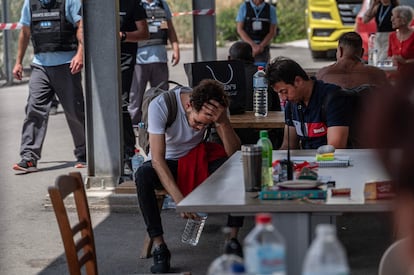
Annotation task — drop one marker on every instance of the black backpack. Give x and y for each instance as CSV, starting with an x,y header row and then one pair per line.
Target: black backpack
x,y
170,100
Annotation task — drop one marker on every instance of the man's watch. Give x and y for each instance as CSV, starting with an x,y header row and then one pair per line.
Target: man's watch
x,y
123,36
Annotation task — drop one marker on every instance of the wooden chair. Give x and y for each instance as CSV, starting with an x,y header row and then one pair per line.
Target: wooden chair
x,y
391,260
80,250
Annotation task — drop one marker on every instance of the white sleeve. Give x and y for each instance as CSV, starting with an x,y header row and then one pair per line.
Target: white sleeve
x,y
157,116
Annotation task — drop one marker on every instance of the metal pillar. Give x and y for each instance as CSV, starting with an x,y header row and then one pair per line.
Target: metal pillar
x,y
103,91
204,32
6,42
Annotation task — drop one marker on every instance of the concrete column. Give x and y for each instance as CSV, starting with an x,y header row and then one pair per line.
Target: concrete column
x,y
204,32
103,91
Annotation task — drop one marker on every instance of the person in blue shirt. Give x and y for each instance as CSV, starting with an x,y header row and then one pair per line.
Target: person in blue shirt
x,y
311,122
151,62
55,29
257,25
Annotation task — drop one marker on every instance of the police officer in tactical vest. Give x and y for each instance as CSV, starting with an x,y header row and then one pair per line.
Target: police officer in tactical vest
x,y
256,25
55,28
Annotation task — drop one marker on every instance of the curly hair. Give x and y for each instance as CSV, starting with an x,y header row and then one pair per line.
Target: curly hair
x,y
207,90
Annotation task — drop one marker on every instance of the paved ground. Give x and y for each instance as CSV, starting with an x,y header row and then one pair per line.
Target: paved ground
x,y
29,238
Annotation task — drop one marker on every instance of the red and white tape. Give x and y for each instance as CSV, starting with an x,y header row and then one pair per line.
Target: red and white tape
x,y
195,12
16,26
10,26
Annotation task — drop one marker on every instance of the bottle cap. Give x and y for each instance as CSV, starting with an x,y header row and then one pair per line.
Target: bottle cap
x,y
260,68
136,150
263,218
263,133
237,268
325,229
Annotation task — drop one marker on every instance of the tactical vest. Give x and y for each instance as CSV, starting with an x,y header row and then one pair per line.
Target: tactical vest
x,y
157,26
50,31
264,18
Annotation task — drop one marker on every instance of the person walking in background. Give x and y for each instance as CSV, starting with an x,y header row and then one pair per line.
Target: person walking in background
x,y
256,25
381,11
133,28
55,29
179,159
350,71
151,63
401,43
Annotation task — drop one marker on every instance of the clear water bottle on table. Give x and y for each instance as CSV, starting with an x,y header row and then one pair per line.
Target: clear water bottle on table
x,y
264,248
372,50
326,256
193,229
260,105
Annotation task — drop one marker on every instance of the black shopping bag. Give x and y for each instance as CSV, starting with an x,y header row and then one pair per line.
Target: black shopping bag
x,y
230,73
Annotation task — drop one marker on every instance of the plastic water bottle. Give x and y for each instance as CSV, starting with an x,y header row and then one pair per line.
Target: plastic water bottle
x,y
372,50
136,161
226,264
193,229
326,256
267,171
260,93
264,248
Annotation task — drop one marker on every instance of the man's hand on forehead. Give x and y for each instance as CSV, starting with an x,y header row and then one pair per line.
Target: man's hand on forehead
x,y
213,109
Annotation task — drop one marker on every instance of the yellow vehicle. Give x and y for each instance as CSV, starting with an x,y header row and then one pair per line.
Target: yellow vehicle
x,y
326,21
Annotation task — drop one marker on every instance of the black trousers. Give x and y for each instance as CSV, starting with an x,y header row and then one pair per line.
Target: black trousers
x,y
127,72
147,181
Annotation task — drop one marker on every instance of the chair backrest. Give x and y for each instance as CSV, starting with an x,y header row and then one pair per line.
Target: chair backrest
x,y
80,250
391,260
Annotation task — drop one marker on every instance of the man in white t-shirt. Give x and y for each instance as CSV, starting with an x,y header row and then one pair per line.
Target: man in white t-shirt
x,y
205,105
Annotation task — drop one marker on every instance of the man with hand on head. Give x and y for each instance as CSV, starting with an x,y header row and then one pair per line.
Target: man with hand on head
x,y
179,159
308,125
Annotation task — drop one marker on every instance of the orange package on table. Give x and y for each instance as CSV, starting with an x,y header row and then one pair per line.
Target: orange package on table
x,y
377,190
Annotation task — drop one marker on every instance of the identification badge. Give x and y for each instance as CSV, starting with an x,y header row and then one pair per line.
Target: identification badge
x,y
152,29
164,25
257,25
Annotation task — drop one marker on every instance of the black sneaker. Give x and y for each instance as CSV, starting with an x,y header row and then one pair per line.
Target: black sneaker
x,y
234,247
26,165
162,257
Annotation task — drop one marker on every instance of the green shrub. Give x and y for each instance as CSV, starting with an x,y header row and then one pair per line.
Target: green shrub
x,y
291,20
226,25
291,17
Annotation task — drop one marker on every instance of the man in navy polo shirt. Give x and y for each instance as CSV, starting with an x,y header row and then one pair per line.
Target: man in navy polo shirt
x,y
310,125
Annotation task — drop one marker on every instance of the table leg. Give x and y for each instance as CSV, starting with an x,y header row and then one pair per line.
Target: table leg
x,y
298,229
295,228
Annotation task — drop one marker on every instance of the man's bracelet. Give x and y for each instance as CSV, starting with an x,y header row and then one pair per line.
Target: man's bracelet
x,y
123,36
